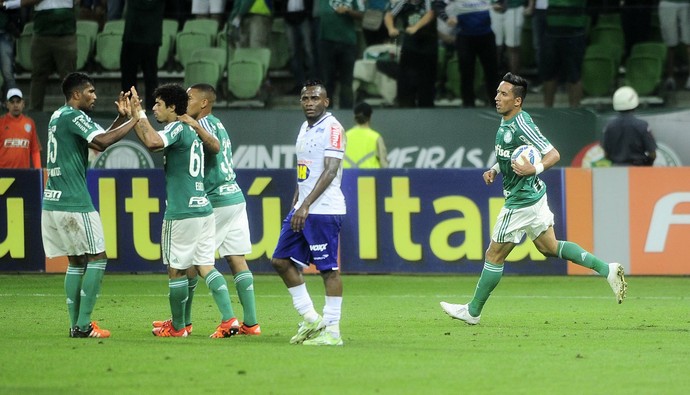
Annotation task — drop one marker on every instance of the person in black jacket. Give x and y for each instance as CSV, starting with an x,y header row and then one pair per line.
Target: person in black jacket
x,y
628,140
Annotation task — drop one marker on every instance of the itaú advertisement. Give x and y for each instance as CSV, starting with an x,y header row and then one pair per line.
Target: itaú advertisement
x,y
409,221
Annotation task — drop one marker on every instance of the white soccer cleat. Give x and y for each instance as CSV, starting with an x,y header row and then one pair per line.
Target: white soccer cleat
x,y
616,279
460,312
324,339
307,330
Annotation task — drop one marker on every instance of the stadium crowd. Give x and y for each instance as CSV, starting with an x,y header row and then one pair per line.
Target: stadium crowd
x,y
442,49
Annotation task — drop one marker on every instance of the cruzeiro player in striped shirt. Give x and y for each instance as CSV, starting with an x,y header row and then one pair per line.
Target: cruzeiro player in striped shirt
x,y
525,209
70,225
188,224
226,197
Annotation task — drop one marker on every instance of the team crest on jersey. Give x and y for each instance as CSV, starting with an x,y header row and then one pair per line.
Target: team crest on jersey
x,y
507,136
336,136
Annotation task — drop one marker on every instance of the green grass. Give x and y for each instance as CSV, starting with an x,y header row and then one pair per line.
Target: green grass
x,y
538,335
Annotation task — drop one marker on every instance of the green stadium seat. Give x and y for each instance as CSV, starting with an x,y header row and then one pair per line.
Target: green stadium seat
x,y
657,49
613,52
170,27
245,78
206,65
261,55
279,46
116,26
598,75
108,48
208,27
643,73
188,42
28,28
83,50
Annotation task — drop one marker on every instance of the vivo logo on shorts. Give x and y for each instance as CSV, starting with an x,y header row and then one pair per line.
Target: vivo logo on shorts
x,y
318,247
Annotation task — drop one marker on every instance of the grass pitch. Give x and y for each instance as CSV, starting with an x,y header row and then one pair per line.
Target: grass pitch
x,y
538,335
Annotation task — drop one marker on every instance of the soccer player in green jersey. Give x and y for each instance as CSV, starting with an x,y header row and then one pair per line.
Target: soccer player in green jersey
x,y
70,225
229,207
188,233
526,209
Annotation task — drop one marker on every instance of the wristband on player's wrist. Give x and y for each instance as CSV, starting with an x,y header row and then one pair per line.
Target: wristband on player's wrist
x,y
539,167
142,114
496,168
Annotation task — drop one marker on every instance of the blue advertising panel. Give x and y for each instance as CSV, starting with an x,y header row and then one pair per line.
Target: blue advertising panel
x,y
398,221
21,248
433,221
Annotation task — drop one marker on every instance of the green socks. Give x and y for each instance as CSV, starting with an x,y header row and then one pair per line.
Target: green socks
x,y
219,289
491,276
576,254
244,282
90,288
179,293
72,291
191,286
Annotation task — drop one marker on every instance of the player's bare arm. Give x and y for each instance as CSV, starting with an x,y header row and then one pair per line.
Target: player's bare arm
x,y
211,143
146,133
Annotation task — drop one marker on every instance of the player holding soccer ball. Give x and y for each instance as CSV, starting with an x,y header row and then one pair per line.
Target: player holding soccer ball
x,y
525,209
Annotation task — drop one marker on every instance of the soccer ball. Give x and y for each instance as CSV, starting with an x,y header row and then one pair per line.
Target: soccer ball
x,y
526,152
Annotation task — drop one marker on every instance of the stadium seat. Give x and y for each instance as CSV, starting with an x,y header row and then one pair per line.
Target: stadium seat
x,y
83,50
28,27
598,75
89,29
245,78
116,26
206,65
657,49
609,19
108,48
279,46
613,52
170,27
208,27
607,34
188,42
261,55
643,73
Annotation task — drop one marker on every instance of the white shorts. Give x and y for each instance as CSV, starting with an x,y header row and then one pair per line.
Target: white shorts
x,y
507,26
512,224
674,20
71,234
232,230
207,7
188,242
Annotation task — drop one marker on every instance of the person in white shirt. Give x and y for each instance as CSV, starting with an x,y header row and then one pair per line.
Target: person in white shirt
x,y
310,231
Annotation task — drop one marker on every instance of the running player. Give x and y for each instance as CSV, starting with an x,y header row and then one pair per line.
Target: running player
x,y
526,208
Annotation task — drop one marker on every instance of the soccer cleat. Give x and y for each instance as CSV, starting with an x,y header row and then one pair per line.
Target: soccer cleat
x,y
158,324
92,331
254,330
325,338
616,279
307,330
227,328
460,312
168,330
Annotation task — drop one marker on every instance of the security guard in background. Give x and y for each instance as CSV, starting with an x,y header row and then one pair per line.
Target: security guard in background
x,y
628,140
365,148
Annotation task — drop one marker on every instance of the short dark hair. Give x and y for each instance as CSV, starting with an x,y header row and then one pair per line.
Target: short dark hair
x,y
73,82
519,85
207,89
363,112
173,94
309,83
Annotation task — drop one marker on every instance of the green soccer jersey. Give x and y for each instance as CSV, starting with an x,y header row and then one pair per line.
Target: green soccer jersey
x,y
184,173
69,133
519,191
220,184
